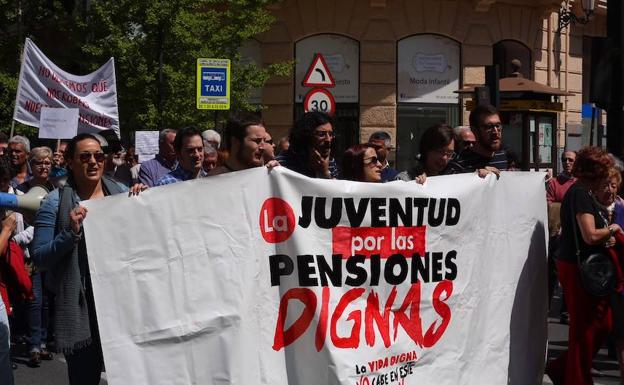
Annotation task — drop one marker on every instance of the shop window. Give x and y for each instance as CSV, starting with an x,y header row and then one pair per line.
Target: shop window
x,y
251,54
342,55
428,74
507,50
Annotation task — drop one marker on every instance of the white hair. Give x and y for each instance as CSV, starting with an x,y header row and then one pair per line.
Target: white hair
x,y
211,136
21,140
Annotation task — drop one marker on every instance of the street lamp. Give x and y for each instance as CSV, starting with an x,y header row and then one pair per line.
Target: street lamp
x,y
566,16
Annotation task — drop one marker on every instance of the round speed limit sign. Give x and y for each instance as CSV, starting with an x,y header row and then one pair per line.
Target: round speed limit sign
x,y
319,99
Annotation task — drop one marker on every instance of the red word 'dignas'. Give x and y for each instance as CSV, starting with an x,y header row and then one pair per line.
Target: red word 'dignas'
x,y
277,220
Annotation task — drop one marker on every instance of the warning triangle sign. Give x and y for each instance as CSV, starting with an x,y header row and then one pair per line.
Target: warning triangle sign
x,y
318,74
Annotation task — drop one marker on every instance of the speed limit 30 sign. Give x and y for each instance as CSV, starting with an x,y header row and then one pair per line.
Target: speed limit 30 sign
x,y
319,99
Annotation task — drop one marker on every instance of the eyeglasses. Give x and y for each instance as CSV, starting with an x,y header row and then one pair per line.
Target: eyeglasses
x,y
372,161
323,134
86,156
492,126
42,163
567,160
442,152
469,143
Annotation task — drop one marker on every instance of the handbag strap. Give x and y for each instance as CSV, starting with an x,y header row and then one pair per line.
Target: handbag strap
x,y
576,241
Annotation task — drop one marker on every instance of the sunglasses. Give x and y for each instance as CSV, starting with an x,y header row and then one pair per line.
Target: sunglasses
x,y
468,143
372,161
86,156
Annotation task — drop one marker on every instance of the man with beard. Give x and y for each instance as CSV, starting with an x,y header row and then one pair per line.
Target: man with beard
x,y
487,155
163,163
19,148
246,140
310,147
189,148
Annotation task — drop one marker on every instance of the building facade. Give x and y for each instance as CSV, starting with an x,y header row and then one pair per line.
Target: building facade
x,y
398,63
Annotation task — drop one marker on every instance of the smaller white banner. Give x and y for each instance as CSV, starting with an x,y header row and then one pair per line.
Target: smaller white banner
x,y
146,143
58,123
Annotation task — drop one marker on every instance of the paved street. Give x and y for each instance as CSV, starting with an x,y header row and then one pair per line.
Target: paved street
x,y
55,373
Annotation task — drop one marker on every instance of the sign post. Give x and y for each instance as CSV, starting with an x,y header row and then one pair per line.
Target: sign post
x,y
319,99
213,84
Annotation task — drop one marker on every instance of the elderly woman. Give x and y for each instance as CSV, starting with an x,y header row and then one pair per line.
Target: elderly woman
x,y
59,249
41,161
585,228
360,163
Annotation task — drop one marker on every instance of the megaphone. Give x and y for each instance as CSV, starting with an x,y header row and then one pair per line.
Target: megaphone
x,y
30,201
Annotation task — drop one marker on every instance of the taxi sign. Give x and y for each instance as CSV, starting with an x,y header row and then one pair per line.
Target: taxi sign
x,y
213,84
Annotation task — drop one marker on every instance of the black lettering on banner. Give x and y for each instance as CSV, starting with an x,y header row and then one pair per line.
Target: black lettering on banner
x,y
334,273
335,213
436,269
433,219
356,216
451,266
420,268
396,210
306,210
280,264
420,204
375,268
452,215
306,271
354,267
378,212
389,274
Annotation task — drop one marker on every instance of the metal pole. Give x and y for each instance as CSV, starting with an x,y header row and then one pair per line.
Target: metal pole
x,y
591,127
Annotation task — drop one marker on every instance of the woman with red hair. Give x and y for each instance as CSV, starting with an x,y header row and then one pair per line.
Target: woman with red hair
x,y
583,224
360,163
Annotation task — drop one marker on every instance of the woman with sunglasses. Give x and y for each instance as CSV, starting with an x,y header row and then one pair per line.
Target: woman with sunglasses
x,y
360,164
437,146
59,249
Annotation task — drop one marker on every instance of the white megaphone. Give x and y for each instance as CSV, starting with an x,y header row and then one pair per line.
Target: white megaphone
x,y
30,201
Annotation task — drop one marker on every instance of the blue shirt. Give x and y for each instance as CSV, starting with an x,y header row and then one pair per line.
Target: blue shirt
x,y
179,175
298,163
153,170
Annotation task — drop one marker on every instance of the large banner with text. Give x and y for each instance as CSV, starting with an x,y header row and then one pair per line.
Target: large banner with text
x,y
270,277
43,84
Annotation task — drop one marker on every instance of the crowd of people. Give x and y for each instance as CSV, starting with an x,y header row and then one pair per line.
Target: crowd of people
x,y
54,311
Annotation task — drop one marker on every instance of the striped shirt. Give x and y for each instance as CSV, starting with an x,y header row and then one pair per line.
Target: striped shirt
x,y
469,161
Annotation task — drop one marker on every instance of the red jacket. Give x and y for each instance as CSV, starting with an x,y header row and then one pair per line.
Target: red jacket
x,y
14,279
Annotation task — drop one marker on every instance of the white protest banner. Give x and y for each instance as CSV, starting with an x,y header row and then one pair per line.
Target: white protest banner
x,y
146,142
249,278
43,84
58,123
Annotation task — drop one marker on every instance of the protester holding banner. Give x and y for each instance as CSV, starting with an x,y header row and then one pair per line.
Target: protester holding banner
x,y
19,147
584,229
163,163
245,140
487,154
436,151
59,248
310,147
189,149
360,163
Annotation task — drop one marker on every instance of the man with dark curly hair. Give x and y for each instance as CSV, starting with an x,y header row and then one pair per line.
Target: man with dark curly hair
x,y
310,148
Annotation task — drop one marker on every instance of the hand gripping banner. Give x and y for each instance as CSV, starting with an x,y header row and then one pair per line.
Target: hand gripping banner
x,y
262,277
43,84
